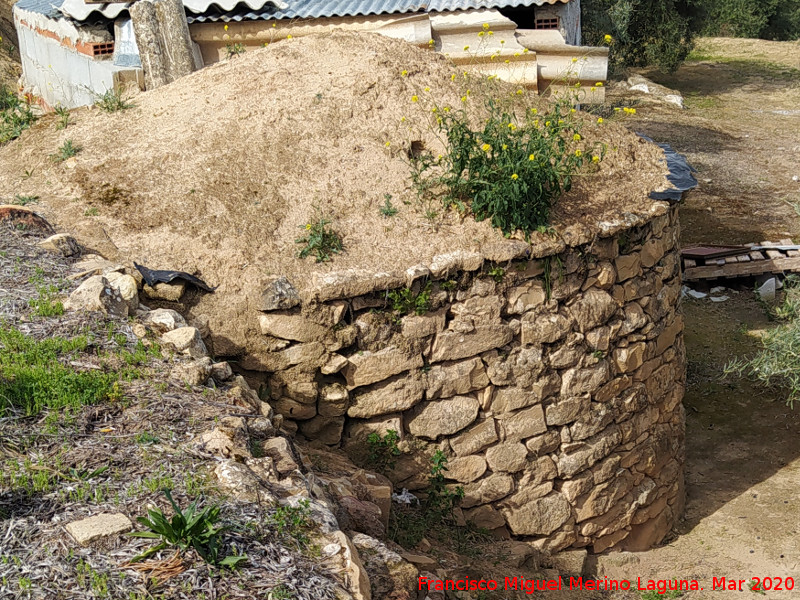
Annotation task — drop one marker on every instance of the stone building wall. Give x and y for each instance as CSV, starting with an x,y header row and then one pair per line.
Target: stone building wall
x,y
550,374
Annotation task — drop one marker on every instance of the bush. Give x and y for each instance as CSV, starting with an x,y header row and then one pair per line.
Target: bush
x,y
768,19
16,115
510,169
645,32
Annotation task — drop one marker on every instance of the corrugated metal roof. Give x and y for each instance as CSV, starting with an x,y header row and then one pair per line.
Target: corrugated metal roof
x,y
312,9
236,10
48,8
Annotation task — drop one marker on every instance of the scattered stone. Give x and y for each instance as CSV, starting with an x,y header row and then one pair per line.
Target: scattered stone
x,y
89,529
185,340
171,292
163,320
97,295
193,372
61,243
221,371
127,288
279,294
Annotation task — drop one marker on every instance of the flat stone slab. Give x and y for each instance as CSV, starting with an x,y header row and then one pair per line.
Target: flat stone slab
x,y
91,528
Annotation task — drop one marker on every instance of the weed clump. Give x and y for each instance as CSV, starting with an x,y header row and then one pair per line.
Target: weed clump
x,y
383,451
320,241
16,115
509,169
113,101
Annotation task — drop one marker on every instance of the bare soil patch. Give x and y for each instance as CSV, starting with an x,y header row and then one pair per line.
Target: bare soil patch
x,y
218,173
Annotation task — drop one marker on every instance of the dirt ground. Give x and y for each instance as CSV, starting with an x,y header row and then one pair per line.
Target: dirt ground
x,y
743,443
219,173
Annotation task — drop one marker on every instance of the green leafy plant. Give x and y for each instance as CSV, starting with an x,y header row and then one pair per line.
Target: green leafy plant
x,y
320,241
113,101
388,209
382,450
497,273
235,49
24,200
405,301
67,150
511,169
16,115
191,528
47,304
63,117
293,521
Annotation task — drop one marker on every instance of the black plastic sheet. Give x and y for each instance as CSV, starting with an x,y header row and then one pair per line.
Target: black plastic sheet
x,y
154,276
680,174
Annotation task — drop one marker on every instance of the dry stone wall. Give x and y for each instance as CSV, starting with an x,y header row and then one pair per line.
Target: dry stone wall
x,y
550,374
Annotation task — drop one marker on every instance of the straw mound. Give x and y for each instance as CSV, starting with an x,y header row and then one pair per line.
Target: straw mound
x,y
218,173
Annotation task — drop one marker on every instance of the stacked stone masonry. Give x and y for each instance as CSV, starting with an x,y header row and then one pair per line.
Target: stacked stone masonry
x,y
553,384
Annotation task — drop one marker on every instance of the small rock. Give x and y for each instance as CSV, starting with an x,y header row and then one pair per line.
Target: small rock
x,y
185,340
103,525
61,243
96,294
279,294
126,286
221,371
420,560
163,320
171,292
192,373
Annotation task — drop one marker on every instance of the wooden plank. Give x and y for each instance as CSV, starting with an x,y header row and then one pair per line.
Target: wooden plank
x,y
756,255
746,257
730,259
755,267
793,252
688,263
775,254
786,242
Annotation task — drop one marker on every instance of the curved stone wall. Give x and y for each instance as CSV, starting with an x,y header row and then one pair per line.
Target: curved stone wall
x,y
551,375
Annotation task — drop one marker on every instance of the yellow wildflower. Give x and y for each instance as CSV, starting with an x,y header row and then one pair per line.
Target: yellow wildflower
x,y
463,98
486,147
534,111
427,89
595,158
608,39
577,137
466,48
591,89
226,27
289,37
561,121
274,24
431,42
308,226
574,59
507,61
403,73
578,153
504,146
547,123
633,111
453,77
515,177
486,26
616,109
600,120
502,41
481,33
572,110
414,98
532,157
446,109
387,144
599,84
402,119
491,33
525,51
434,109
520,92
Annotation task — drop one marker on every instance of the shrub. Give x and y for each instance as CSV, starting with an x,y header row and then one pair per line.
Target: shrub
x,y
405,301
113,101
510,169
645,32
383,450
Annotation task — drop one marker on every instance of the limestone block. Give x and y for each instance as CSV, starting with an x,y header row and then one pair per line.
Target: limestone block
x,y
577,381
599,339
591,422
507,399
292,409
475,439
523,423
443,416
606,275
127,288
485,517
163,320
466,469
171,292
476,311
367,367
540,327
628,265
489,489
651,252
221,371
520,367
566,410
646,535
607,248
89,529
327,430
278,294
541,516
349,283
578,486
460,260
335,363
634,319
608,541
290,326
97,295
506,250
508,457
612,389
61,243
452,345
185,340
455,378
568,353
592,309
544,443
393,395
333,400
669,335
279,449
192,373
420,326
525,297
582,455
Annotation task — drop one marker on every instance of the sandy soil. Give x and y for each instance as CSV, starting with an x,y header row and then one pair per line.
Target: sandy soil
x,y
743,443
218,173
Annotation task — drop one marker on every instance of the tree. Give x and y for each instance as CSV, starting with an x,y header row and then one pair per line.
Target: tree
x,y
644,32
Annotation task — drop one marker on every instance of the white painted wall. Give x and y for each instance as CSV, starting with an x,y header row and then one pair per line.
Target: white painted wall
x,y
58,74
